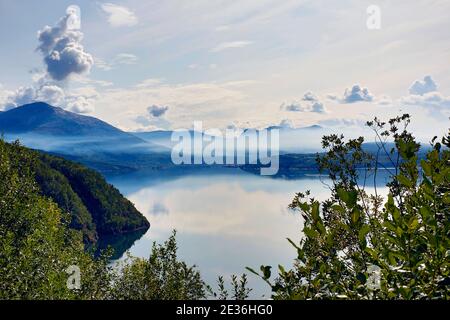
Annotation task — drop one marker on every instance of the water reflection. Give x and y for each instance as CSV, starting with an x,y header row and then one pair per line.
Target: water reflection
x,y
119,243
225,220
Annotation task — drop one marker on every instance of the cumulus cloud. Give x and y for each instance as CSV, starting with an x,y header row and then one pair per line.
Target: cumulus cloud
x,y
309,96
424,93
153,119
64,58
430,99
80,103
157,111
51,94
309,103
286,123
317,107
421,87
119,16
293,106
356,94
230,45
81,100
63,52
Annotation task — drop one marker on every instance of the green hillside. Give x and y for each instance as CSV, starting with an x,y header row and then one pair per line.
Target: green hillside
x,y
96,208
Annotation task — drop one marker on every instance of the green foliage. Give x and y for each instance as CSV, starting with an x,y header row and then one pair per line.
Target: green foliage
x,y
111,212
160,277
55,185
37,246
406,235
95,207
239,289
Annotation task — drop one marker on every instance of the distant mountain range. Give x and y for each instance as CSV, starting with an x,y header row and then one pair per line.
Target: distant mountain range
x,y
292,140
110,150
81,138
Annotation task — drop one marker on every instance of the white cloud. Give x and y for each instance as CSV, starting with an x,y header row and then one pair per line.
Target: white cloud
x,y
424,93
21,96
94,82
356,94
286,123
63,52
102,64
430,99
317,107
293,106
125,58
230,45
79,100
384,100
421,87
213,103
148,83
157,111
309,96
309,103
153,119
119,16
120,59
80,104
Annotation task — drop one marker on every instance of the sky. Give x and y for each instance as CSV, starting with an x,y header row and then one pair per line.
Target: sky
x,y
148,65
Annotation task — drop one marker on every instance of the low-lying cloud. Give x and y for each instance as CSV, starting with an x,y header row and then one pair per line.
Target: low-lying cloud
x,y
309,103
79,101
157,111
424,93
421,87
356,94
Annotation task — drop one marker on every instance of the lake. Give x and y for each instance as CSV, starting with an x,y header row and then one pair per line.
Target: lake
x,y
226,219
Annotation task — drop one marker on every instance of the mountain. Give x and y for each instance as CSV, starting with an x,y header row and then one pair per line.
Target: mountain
x,y
44,119
292,140
158,137
96,208
80,138
284,128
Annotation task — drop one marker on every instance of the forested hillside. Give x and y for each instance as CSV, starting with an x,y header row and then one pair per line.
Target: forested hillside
x,y
39,253
95,207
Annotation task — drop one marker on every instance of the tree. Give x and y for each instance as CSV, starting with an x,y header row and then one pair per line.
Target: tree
x,y
37,248
160,277
353,239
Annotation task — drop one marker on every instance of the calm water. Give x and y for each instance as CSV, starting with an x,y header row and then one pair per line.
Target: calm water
x,y
225,219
